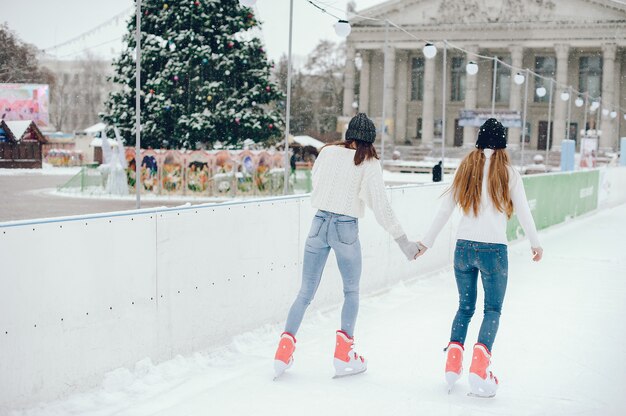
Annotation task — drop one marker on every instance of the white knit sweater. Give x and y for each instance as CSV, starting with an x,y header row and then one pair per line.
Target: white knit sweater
x,y
490,224
341,187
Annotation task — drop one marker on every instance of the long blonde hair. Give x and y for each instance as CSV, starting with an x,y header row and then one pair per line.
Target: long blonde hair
x,y
467,185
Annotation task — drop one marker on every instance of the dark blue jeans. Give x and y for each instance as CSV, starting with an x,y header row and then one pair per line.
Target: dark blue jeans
x,y
491,260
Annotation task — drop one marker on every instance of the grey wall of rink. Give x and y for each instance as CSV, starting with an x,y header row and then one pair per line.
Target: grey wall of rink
x,y
81,296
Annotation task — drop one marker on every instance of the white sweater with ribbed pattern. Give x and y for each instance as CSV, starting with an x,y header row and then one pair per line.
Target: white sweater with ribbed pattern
x,y
489,226
341,187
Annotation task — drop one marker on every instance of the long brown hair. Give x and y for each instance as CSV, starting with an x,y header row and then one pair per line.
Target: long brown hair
x,y
364,150
467,185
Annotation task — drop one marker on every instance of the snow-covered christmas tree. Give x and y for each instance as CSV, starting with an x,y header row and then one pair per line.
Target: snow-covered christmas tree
x,y
205,77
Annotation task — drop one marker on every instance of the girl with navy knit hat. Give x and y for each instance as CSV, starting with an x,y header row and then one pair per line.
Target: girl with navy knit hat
x,y
346,177
488,190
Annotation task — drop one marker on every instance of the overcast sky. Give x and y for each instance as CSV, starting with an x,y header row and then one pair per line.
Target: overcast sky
x,y
46,23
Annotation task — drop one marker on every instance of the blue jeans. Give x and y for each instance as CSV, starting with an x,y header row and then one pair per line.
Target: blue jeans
x,y
341,233
491,260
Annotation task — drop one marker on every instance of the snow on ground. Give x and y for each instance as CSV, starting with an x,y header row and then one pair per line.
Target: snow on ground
x,y
45,170
559,350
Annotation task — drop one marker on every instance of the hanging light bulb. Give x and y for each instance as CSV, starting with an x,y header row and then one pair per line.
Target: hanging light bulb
x,y
565,95
519,78
343,28
613,114
429,50
541,91
471,68
355,105
247,3
595,105
579,102
605,112
624,116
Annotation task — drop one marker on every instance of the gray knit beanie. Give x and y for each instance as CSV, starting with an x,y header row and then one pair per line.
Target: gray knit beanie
x,y
361,128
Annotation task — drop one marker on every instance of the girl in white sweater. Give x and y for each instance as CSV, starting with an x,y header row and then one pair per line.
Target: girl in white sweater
x,y
487,189
346,177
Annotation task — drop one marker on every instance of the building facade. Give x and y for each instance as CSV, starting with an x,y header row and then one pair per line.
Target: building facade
x,y
579,43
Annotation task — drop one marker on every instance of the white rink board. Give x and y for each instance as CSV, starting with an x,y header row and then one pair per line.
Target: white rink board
x,y
612,189
107,291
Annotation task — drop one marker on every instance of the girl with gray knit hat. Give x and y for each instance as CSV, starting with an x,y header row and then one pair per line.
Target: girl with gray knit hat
x,y
346,177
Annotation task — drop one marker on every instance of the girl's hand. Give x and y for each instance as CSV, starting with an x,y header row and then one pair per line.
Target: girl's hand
x,y
537,253
422,248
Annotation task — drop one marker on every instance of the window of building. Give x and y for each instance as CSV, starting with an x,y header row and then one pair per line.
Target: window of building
x,y
590,75
503,80
419,128
417,79
546,67
457,89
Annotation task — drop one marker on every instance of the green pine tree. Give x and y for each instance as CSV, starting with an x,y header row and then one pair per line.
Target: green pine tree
x,y
205,77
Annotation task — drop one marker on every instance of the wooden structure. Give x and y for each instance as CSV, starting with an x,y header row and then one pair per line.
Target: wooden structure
x,y
20,144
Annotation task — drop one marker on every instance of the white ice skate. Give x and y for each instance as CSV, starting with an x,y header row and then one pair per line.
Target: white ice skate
x,y
483,383
347,362
284,354
454,364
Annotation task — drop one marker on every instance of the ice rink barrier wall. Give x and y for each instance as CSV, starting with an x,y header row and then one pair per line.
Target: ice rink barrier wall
x,y
81,296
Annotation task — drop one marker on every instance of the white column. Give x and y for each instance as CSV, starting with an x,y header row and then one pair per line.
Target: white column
x,y
401,95
515,98
560,106
608,139
428,102
390,82
348,82
364,84
471,98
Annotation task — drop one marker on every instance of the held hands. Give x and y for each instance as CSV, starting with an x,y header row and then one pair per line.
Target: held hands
x,y
537,253
409,248
422,249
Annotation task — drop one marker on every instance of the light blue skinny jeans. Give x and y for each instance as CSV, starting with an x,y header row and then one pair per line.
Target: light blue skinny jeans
x,y
341,233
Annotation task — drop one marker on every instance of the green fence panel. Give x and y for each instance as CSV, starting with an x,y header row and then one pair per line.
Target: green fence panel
x,y
554,198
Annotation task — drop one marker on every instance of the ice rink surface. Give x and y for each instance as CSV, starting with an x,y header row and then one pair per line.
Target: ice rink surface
x,y
559,351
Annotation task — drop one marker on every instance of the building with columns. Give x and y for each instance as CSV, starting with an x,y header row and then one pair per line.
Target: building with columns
x,y
579,43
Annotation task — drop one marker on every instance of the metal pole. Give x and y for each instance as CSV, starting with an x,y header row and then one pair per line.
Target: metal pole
x,y
137,105
493,89
524,117
288,109
569,112
383,131
443,108
549,124
586,109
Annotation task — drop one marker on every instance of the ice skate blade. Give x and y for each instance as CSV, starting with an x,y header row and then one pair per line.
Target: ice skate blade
x,y
353,373
480,396
451,379
280,368
482,388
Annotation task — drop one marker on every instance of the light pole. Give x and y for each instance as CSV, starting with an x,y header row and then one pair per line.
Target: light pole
x,y
288,105
443,108
137,105
493,89
569,113
524,116
383,131
549,122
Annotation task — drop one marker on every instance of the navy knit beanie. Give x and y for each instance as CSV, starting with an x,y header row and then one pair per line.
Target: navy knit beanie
x,y
361,128
492,135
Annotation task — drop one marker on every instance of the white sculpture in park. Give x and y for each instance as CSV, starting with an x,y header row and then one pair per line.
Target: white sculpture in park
x,y
114,166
